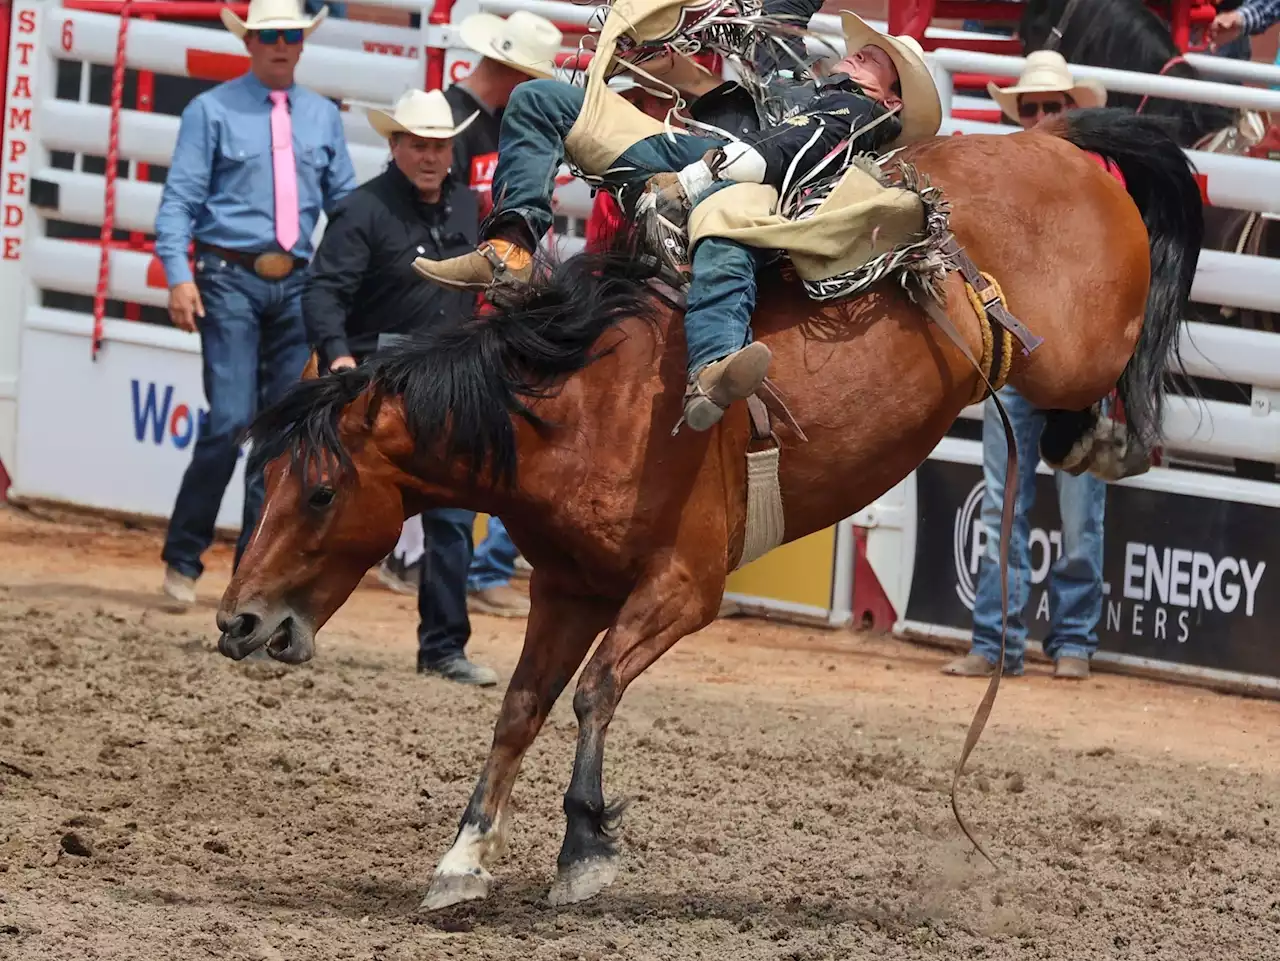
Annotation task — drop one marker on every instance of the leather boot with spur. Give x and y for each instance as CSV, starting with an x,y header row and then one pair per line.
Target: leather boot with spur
x,y
494,263
719,384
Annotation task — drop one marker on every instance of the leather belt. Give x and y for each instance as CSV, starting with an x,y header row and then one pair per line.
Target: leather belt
x,y
269,265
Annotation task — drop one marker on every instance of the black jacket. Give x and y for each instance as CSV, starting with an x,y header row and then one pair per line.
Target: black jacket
x,y
822,124
834,107
362,282
475,150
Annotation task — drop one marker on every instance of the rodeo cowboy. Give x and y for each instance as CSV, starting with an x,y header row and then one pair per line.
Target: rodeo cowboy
x,y
879,96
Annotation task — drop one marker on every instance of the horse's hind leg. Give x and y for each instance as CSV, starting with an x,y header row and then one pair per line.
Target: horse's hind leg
x,y
660,611
560,631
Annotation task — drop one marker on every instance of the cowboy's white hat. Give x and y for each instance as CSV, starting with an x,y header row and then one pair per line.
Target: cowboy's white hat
x,y
524,40
1046,71
921,113
421,114
273,15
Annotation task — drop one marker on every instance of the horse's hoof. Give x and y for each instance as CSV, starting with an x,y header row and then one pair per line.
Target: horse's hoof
x,y
450,889
582,880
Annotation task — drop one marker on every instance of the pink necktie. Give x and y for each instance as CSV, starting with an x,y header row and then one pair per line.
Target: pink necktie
x,y
286,171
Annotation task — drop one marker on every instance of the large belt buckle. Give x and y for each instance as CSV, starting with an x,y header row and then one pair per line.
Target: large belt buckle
x,y
273,266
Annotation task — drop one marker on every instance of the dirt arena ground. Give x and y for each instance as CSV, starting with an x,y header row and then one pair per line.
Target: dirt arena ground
x,y
789,794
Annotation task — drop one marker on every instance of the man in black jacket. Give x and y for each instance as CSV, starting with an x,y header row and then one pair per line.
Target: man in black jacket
x,y
881,95
412,209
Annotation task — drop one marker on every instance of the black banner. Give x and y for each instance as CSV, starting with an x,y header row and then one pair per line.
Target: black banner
x,y
1187,580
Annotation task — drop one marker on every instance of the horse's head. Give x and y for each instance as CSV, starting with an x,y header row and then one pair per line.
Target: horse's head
x,y
334,507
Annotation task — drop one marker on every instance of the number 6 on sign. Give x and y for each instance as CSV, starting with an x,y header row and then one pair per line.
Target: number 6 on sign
x,y
68,35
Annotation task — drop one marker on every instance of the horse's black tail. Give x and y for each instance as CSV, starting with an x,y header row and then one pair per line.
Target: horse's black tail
x,y
1159,178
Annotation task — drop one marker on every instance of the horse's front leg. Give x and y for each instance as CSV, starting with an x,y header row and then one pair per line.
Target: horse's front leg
x,y
662,609
560,631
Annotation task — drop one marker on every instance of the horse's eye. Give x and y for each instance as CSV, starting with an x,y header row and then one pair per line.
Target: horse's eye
x,y
321,497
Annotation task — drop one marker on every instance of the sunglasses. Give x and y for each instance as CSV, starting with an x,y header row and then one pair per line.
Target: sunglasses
x,y
272,35
1028,109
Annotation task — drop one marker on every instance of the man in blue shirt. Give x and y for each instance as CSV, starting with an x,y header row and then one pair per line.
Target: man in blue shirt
x,y
257,159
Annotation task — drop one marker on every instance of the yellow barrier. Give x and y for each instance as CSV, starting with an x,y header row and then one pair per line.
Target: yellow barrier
x,y
809,580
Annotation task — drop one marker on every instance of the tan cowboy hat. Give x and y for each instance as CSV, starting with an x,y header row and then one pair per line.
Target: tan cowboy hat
x,y
421,114
1046,71
524,40
921,113
272,15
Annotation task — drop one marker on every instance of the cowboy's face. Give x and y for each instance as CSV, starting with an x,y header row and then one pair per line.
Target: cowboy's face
x,y
273,55
1035,108
873,70
424,160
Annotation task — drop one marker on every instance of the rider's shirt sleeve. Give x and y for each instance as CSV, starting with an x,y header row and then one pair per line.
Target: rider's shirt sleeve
x,y
805,139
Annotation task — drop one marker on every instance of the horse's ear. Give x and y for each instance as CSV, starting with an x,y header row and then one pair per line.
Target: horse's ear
x,y
312,370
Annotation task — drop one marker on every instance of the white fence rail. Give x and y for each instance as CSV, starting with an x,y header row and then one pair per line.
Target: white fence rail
x,y
336,64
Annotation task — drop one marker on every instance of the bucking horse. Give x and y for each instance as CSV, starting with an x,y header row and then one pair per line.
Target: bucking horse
x,y
556,413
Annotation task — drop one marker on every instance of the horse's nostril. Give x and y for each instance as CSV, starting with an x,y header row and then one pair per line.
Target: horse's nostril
x,y
238,625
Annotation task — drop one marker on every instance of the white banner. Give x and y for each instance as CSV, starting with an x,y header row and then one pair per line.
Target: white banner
x,y
116,434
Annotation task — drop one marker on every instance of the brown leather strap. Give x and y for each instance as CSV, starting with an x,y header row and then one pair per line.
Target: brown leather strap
x,y
939,317
761,429
989,297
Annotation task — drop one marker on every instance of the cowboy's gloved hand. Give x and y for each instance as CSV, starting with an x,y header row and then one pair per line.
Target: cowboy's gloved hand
x,y
668,199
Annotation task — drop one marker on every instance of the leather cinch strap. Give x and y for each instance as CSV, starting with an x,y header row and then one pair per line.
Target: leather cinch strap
x,y
939,316
989,294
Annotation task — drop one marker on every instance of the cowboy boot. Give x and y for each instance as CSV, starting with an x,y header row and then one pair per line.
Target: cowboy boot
x,y
496,262
719,384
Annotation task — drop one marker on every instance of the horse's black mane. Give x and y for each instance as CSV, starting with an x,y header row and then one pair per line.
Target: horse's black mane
x,y
460,383
1125,35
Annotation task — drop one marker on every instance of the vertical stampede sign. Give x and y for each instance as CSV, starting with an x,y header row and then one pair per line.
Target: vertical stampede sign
x,y
1186,580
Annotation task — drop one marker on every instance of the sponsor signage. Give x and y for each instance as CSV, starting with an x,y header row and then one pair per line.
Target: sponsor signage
x,y
117,434
1186,579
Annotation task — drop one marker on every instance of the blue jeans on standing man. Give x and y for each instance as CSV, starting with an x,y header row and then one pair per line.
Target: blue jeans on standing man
x,y
254,346
540,114
1075,578
494,563
443,624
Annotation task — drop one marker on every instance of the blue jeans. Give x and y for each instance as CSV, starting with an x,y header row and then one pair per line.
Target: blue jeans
x,y
540,114
495,559
1075,579
443,625
254,346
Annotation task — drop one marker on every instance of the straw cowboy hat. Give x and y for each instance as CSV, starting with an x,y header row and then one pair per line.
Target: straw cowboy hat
x,y
273,15
921,113
1046,71
525,41
421,114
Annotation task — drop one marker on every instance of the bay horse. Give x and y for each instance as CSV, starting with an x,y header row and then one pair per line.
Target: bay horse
x,y
557,416
1128,35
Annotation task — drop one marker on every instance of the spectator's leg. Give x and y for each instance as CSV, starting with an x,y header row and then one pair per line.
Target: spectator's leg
x,y
489,588
400,570
985,651
1075,587
412,544
444,627
284,352
229,353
